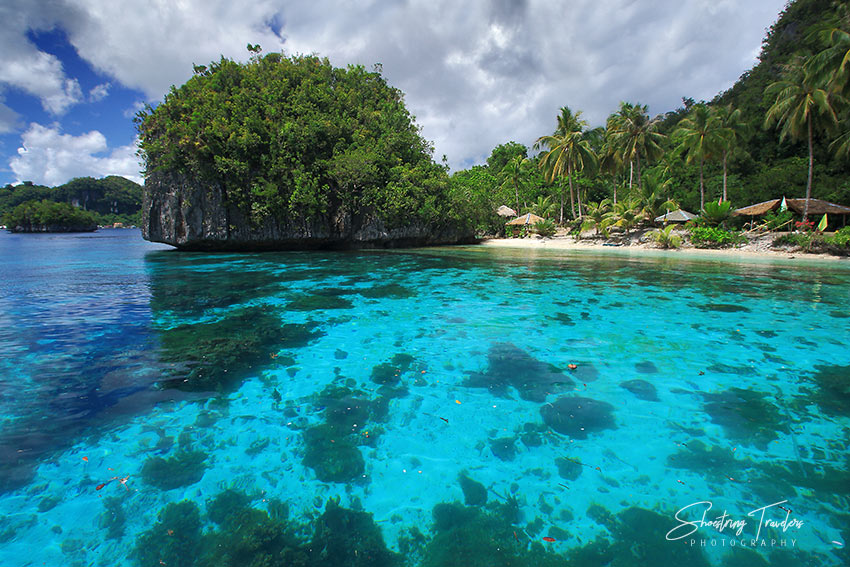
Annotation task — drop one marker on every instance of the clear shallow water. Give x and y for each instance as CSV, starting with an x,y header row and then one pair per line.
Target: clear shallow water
x,y
401,382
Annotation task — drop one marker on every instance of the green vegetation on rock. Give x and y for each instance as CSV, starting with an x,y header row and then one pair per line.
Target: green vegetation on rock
x,y
49,216
296,138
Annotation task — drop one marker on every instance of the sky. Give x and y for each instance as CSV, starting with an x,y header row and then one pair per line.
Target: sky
x,y
476,74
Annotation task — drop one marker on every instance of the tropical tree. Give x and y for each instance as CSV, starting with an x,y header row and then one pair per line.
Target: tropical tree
x,y
610,160
699,137
634,136
733,128
514,174
801,100
625,215
543,207
651,199
569,151
594,216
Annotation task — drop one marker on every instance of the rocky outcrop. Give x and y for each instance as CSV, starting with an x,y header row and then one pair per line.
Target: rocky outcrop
x,y
183,212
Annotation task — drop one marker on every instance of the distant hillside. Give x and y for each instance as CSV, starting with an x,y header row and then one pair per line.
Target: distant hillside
x,y
772,169
112,199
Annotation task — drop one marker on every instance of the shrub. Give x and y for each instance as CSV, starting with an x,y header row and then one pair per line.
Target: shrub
x,y
665,238
805,241
714,237
778,219
714,214
545,228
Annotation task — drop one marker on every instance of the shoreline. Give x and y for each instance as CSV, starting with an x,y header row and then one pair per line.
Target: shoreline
x,y
752,251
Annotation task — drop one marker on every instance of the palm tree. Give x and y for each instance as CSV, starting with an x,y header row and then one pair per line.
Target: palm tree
x,y
610,160
513,175
543,207
732,130
651,199
569,151
699,137
625,215
594,216
635,136
800,99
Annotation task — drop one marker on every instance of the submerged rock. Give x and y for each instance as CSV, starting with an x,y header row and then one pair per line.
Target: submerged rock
x,y
577,416
512,367
641,389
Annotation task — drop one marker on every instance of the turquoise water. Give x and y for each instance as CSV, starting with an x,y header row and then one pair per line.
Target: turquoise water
x,y
463,406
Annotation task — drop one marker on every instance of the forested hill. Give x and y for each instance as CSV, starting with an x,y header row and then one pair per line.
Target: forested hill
x,y
112,198
794,34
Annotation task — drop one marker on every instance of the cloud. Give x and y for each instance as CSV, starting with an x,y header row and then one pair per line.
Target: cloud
x,y
49,157
99,92
475,73
23,66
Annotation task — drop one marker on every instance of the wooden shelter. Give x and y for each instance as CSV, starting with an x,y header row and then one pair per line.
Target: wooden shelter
x,y
816,207
679,215
526,219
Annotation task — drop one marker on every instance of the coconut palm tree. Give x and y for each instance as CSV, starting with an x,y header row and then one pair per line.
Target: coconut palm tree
x,y
801,100
733,129
543,207
569,151
513,175
699,137
624,214
651,199
594,216
634,135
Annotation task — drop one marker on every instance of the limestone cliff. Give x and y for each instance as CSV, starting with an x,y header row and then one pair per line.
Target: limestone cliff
x,y
192,215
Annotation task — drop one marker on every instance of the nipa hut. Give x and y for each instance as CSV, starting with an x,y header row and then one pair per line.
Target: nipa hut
x,y
816,207
526,219
679,215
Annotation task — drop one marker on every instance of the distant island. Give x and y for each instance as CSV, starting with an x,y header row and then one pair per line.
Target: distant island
x,y
80,205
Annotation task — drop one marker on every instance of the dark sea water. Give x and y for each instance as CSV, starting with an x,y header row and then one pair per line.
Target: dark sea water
x,y
438,407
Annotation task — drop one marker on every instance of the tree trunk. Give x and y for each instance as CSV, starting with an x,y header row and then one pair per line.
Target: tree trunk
x,y
572,198
701,186
637,159
811,166
631,173
516,190
561,195
725,154
615,190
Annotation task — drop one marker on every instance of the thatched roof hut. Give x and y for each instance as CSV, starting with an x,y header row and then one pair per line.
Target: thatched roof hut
x,y
816,207
528,218
679,215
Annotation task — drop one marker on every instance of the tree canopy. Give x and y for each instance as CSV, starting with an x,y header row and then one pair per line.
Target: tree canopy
x,y
296,137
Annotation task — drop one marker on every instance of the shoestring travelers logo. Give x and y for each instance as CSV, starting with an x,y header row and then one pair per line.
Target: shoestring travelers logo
x,y
773,525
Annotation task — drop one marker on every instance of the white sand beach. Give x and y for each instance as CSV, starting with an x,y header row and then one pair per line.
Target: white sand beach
x,y
757,249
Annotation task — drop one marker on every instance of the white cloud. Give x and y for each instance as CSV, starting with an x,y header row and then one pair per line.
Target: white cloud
x,y
475,73
99,92
23,66
49,157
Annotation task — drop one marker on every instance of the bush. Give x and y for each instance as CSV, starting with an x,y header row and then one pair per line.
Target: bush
x,y
545,228
775,219
714,237
841,238
714,214
805,241
665,238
